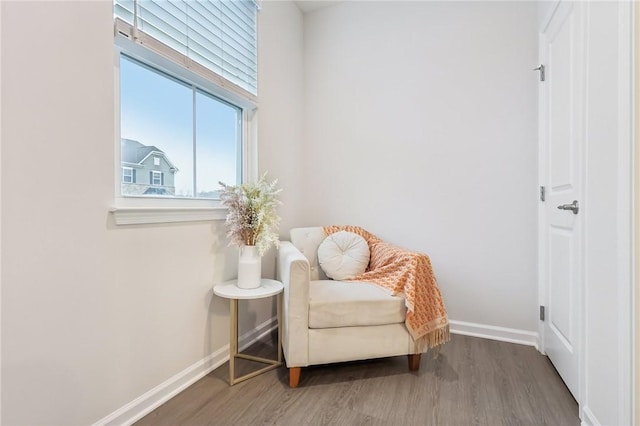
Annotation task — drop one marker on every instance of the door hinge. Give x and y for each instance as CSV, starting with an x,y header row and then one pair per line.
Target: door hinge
x,y
541,69
542,193
541,313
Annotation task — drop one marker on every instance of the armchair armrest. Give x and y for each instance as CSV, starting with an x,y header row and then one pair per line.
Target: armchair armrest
x,y
292,269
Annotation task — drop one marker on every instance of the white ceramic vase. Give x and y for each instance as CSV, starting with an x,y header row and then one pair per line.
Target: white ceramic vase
x,y
249,267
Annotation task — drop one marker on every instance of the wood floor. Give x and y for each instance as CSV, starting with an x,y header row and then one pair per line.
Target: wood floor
x,y
472,382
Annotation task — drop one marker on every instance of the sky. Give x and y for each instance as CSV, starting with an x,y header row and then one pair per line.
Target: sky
x,y
159,110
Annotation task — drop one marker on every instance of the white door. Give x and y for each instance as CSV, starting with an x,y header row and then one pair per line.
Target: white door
x,y
561,174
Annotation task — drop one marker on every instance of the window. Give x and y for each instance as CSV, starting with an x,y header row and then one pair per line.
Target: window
x,y
128,175
156,178
188,85
198,135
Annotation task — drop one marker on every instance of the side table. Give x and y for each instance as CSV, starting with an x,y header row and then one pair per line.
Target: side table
x,y
229,290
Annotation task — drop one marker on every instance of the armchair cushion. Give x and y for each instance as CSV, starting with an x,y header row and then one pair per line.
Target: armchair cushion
x,y
343,255
350,304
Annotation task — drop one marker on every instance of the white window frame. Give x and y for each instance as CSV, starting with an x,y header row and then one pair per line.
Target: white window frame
x,y
128,210
130,169
156,174
156,161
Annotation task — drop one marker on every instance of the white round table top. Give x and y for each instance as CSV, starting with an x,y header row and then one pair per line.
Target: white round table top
x,y
229,290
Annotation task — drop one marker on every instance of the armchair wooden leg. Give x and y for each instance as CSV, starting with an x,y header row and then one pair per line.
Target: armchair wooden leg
x,y
414,362
294,376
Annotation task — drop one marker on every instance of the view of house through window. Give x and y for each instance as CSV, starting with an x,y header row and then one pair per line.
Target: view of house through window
x,y
176,139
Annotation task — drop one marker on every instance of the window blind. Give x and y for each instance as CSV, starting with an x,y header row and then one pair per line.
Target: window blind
x,y
220,35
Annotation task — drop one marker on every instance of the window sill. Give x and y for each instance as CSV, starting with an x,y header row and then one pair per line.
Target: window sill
x,y
144,215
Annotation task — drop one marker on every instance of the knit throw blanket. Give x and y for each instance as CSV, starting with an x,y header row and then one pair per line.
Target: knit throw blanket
x,y
410,276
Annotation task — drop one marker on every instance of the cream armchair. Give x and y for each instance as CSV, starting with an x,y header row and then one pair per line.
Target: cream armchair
x,y
326,321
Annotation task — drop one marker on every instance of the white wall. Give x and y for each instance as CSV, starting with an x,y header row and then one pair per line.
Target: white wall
x,y
420,125
88,322
281,98
280,111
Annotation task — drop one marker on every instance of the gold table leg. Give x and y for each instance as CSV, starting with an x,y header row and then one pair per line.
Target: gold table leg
x,y
233,344
279,298
233,335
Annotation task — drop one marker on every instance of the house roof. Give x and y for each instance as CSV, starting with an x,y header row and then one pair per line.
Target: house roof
x,y
134,152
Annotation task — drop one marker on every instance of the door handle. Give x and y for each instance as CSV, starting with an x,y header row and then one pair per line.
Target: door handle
x,y
573,207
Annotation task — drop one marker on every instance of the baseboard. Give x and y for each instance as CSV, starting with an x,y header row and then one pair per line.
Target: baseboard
x,y
493,332
588,418
157,396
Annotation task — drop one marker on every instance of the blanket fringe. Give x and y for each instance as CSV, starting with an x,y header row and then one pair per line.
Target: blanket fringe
x,y
433,340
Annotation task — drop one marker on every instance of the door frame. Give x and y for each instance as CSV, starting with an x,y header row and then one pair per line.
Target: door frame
x,y
627,205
